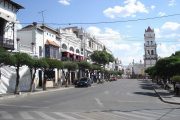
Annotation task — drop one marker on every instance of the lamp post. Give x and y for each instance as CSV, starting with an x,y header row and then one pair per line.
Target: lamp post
x,y
18,46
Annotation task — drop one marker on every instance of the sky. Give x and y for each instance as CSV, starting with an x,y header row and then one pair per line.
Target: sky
x,y
124,38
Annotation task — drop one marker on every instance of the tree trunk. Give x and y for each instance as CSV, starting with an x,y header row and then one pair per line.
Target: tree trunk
x,y
32,80
17,80
44,82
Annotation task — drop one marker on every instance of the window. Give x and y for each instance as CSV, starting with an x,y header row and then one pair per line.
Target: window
x,y
64,46
71,49
89,43
148,42
152,52
40,50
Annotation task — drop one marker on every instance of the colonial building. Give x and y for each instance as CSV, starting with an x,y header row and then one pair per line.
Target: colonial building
x,y
117,64
8,10
71,48
40,40
150,56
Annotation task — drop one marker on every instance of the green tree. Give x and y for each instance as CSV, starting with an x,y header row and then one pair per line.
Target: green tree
x,y
6,58
54,63
83,66
34,64
70,66
20,60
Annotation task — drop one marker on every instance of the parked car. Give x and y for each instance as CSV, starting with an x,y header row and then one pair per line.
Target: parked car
x,y
113,79
84,82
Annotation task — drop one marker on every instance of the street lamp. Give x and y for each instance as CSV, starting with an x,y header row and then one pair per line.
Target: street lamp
x,y
18,46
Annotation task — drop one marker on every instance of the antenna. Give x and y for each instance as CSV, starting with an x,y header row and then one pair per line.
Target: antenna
x,y
42,13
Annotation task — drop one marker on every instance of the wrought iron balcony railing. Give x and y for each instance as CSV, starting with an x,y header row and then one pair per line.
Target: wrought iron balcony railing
x,y
6,43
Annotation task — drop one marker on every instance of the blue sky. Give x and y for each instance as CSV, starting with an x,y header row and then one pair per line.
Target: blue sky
x,y
124,39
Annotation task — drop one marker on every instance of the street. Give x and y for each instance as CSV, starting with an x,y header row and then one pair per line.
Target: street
x,y
124,99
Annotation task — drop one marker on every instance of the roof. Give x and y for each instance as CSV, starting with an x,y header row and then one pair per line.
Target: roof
x,y
50,42
149,29
18,6
30,27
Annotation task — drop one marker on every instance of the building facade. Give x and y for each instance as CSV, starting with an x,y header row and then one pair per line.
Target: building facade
x,y
40,41
8,21
150,53
8,10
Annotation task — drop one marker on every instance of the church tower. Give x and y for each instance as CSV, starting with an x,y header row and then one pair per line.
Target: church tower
x,y
150,56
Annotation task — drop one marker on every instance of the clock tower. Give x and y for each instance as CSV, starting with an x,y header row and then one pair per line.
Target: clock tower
x,y
150,56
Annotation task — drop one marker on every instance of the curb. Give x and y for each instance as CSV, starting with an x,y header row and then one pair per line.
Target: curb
x,y
33,93
163,100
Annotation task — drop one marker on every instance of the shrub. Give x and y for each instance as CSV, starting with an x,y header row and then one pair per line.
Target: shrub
x,y
176,78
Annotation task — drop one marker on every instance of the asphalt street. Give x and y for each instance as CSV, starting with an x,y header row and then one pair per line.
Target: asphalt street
x,y
119,100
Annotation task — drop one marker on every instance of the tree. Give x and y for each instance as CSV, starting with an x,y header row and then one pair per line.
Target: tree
x,y
20,60
54,63
101,57
34,64
6,58
44,67
83,66
70,66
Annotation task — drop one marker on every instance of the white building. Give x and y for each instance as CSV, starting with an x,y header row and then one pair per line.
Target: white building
x,y
150,56
40,41
71,44
8,11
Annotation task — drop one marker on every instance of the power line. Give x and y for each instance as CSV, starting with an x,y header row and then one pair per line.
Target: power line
x,y
112,22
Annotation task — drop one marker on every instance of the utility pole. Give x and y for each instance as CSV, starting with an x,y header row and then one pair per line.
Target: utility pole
x,y
42,14
43,48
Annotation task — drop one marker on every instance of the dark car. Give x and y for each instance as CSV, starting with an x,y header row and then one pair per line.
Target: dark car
x,y
84,82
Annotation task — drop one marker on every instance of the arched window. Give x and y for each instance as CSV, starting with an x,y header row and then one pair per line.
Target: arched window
x,y
71,49
77,51
152,52
64,46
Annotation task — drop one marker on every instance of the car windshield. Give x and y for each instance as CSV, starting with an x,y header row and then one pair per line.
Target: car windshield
x,y
83,79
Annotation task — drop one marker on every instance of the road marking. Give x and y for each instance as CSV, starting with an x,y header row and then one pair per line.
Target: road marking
x,y
83,116
43,115
132,115
25,115
99,102
23,106
5,115
65,116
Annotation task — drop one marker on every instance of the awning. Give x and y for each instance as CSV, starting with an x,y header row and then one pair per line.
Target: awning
x,y
50,42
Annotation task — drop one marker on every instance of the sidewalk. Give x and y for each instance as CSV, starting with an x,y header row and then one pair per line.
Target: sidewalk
x,y
166,95
37,91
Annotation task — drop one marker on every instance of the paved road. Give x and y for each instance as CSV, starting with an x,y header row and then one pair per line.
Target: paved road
x,y
119,100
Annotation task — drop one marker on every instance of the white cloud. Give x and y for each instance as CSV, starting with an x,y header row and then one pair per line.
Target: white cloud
x,y
108,33
115,41
172,3
153,7
165,50
170,30
65,2
130,9
161,14
171,26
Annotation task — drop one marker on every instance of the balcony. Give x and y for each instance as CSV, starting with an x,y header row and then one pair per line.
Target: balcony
x,y
150,57
6,43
